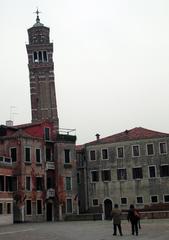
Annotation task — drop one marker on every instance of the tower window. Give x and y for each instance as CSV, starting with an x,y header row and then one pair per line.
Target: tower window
x,y
35,57
40,56
44,56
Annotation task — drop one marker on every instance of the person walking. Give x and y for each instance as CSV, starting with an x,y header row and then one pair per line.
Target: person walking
x,y
134,218
116,216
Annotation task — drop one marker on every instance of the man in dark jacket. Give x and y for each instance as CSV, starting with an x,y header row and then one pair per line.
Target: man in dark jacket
x,y
116,215
133,217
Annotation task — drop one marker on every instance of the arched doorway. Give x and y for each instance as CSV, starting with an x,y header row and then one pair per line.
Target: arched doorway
x,y
107,209
49,212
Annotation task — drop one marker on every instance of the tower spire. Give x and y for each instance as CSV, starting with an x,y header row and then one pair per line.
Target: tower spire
x,y
38,23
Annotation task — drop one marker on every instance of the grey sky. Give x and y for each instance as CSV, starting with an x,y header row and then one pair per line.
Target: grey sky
x,y
111,63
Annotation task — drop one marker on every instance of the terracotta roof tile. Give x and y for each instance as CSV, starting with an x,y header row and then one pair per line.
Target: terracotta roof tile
x,y
137,133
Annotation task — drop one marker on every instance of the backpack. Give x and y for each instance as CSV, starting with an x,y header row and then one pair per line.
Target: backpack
x,y
136,214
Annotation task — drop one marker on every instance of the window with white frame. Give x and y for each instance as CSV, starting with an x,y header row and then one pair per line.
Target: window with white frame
x,y
38,155
123,201
154,199
39,183
68,183
28,183
152,171
39,207
163,147
135,150
106,175
166,198
164,170
92,155
139,200
120,152
47,133
69,205
150,149
28,207
27,154
95,202
104,154
9,183
137,173
95,176
121,174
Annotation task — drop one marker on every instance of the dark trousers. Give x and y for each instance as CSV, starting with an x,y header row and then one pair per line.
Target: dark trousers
x,y
134,227
115,229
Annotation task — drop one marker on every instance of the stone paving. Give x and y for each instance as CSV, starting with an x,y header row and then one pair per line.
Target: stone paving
x,y
83,230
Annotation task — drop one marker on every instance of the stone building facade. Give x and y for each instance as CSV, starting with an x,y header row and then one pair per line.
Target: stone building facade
x,y
131,167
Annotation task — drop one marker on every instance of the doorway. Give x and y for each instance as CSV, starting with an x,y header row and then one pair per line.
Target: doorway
x,y
49,213
107,209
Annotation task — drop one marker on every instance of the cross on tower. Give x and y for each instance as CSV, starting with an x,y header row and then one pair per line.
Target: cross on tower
x,y
37,18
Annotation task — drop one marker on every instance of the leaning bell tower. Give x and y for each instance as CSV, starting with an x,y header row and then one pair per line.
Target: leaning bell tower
x,y
41,74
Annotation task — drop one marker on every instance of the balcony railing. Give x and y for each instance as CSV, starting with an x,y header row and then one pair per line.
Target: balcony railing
x,y
50,193
50,165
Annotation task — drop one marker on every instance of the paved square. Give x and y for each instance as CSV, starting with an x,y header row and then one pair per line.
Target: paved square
x,y
83,230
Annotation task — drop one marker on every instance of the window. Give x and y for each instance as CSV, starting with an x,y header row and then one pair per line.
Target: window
x,y
48,155
27,154
137,173
106,175
94,176
1,183
164,170
50,182
121,174
8,208
166,198
120,152
44,56
92,155
35,57
68,183
47,134
154,199
136,150
123,201
28,183
13,154
150,149
95,202
39,183
14,183
1,159
39,207
78,178
9,183
163,148
152,171
104,154
139,199
69,205
28,207
40,56
7,160
1,208
38,155
67,155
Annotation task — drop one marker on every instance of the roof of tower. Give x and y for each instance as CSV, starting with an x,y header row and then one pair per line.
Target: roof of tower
x,y
38,23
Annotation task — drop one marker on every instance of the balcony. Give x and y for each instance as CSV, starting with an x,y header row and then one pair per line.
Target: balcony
x,y
50,193
5,160
50,166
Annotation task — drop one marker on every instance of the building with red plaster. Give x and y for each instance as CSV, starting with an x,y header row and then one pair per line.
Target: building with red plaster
x,y
42,166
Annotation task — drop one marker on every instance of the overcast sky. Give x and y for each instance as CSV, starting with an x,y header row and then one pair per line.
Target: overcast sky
x,y
111,63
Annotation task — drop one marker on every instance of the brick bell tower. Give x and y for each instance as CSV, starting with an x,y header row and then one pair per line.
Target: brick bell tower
x,y
41,74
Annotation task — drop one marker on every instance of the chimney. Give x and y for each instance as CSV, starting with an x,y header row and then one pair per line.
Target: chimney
x,y
97,136
9,123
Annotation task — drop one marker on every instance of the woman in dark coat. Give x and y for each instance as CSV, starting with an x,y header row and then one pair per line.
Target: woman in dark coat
x,y
133,217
